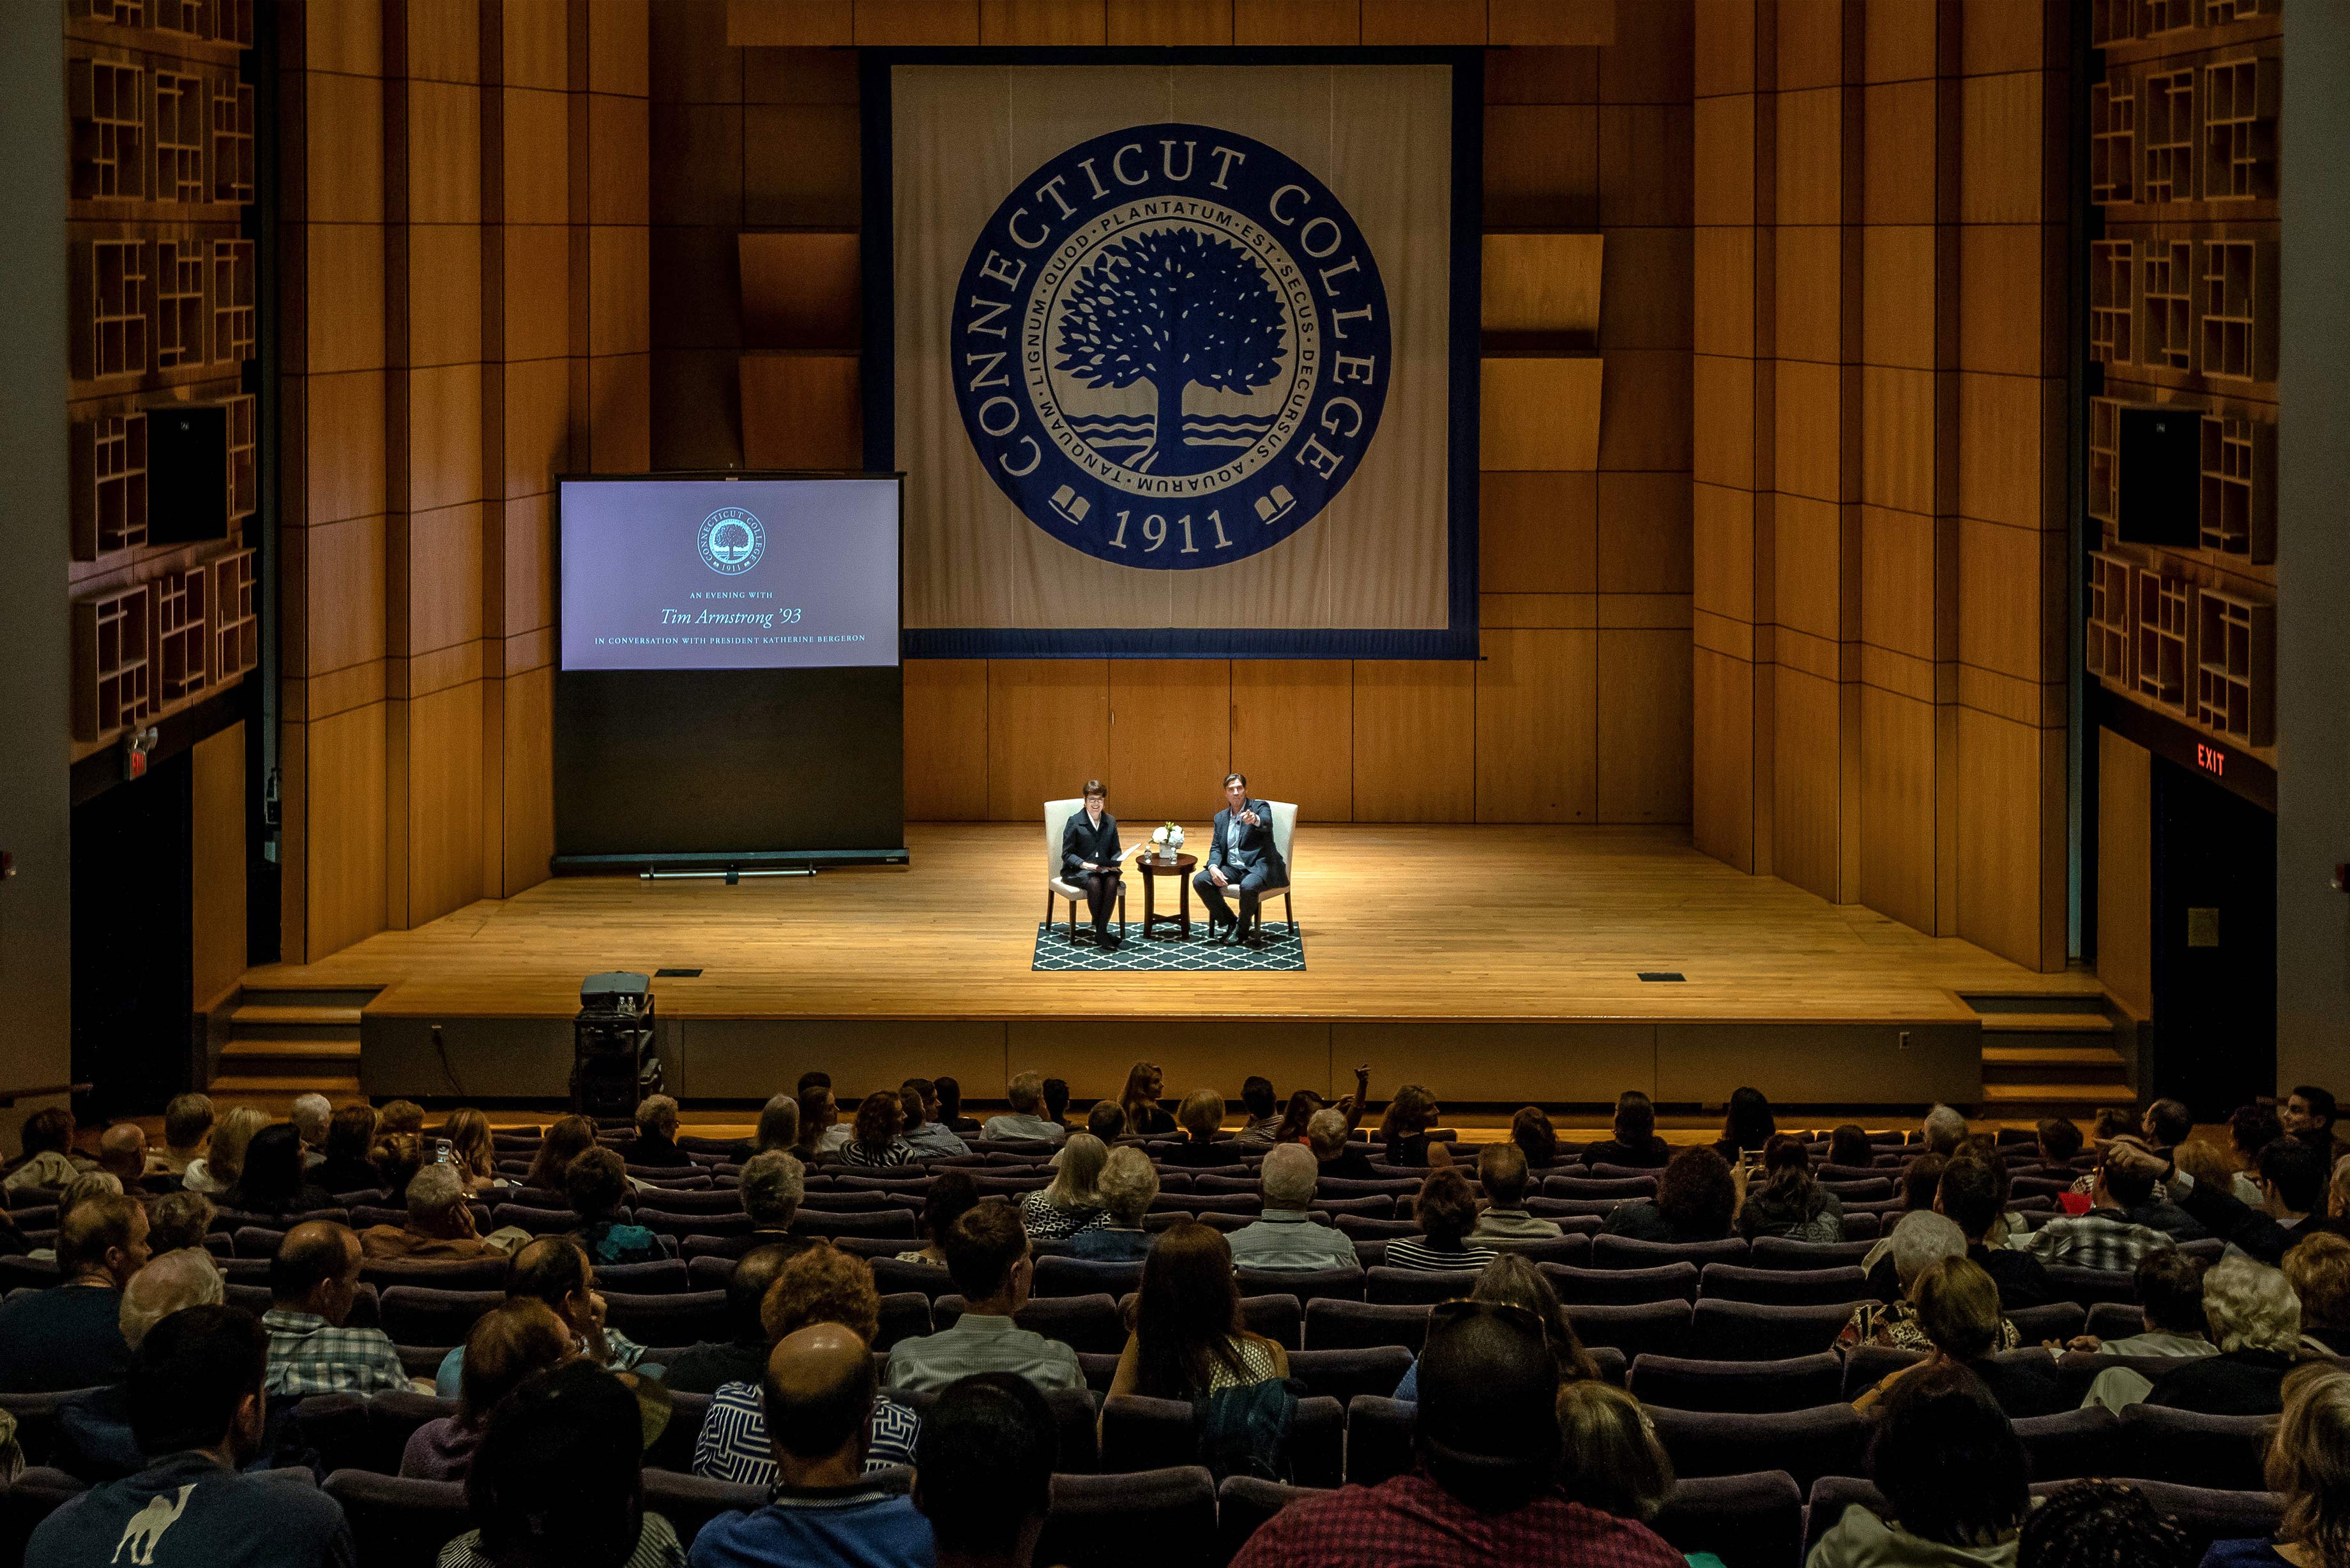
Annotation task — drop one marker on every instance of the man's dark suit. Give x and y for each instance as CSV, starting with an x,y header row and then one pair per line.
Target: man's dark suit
x,y
1082,841
1252,863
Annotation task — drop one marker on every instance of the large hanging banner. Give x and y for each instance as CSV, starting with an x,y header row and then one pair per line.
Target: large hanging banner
x,y
1178,360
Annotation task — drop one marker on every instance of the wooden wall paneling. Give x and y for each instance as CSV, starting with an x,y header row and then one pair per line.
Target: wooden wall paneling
x,y
1170,738
2000,827
801,289
1292,733
1645,418
444,749
1542,166
946,739
1047,732
1721,779
881,23
1046,22
216,864
801,410
1646,153
1297,22
1648,298
802,164
344,836
1537,533
1898,788
1645,533
690,61
529,777
1389,22
1537,694
1170,22
2125,860
1552,22
1806,780
791,23
1645,702
698,147
1541,412
1722,551
1544,286
1415,732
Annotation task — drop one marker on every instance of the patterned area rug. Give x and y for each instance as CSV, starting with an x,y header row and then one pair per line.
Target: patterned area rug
x,y
1281,951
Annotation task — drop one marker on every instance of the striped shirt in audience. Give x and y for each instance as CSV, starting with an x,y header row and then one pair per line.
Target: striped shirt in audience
x,y
895,1152
1418,1252
733,1443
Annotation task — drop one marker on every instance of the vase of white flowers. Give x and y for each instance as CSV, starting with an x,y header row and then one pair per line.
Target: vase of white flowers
x,y
1169,837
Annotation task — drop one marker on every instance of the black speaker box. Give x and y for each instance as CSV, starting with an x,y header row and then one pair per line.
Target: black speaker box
x,y
187,472
2161,475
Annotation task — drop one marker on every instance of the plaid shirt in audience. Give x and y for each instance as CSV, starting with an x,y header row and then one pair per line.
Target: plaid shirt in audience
x,y
733,1443
1411,1519
2100,1239
307,1354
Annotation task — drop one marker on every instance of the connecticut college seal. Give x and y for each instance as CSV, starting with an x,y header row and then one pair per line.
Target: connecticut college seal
x,y
732,540
1171,347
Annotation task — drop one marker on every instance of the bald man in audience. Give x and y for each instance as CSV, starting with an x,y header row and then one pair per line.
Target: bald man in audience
x,y
122,1154
314,1282
819,1392
1286,1236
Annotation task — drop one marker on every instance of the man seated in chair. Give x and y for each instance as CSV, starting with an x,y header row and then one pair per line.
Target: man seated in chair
x,y
1241,855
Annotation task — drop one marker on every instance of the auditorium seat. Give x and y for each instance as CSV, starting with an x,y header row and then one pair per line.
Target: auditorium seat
x,y
1079,1277
2057,1320
1389,1286
2076,1370
1332,1324
890,1276
254,1241
418,1314
1641,1328
537,1221
1148,1518
1075,1413
669,1321
1749,1331
1166,1219
2206,1514
1279,1318
1346,1374
2090,1286
1379,1439
27,1274
1083,1323
1783,1287
2071,1444
675,1201
905,1314
1355,1227
1154,1434
1829,1496
1624,1252
2193,1450
1796,1382
1606,1287
1307,1284
868,1247
1825,1441
1376,1206
892,1223
2115,1319
1344,1186
1613,1173
398,1522
393,1418
1868,1189
366,1308
1621,1189
1244,1504
1776,1252
1248,1203
1753,1519
1572,1249
1866,1365
680,1226
664,1276
690,1501
1866,1227
36,1419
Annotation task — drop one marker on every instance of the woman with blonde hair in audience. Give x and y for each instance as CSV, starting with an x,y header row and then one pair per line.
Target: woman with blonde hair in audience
x,y
1188,1341
223,1163
1201,1117
875,1141
1145,1116
1445,1211
565,1141
1513,1280
1609,1457
1919,1241
2309,1467
1404,1129
779,1125
472,1148
1128,1185
2319,1270
1074,1202
819,1112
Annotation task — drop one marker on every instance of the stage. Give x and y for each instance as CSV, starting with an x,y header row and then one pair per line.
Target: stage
x,y
1493,964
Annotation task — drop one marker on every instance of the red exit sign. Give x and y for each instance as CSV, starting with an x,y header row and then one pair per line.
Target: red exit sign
x,y
2210,759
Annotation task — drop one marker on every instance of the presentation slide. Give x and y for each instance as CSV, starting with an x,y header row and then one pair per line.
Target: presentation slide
x,y
728,574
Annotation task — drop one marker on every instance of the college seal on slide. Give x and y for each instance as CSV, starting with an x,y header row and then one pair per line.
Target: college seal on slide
x,y
1171,347
732,540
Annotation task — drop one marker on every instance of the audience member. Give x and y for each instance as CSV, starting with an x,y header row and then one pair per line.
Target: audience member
x,y
565,1140
1336,1155
1635,1144
655,1139
1922,1182
706,1367
272,1179
1104,1121
1026,1093
122,1154
1284,1235
1486,1488
2319,1270
1969,1195
1695,1201
557,1481
1958,1311
1201,1116
2308,1116
1849,1149
1513,1281
345,1164
778,1129
440,1227
1263,1112
1145,1116
1304,1106
187,1127
950,1114
2102,1524
1952,1473
2059,1140
1404,1129
1188,1341
508,1343
70,1335
818,1395
1129,1184
2255,1320
309,1114
1789,1203
555,1270
1747,1127
86,1185
1531,1130
2169,1289
313,1281
2106,1236
1502,1172
223,1161
823,1285
983,1471
2165,1125
401,1116
46,1139
1942,1131
2251,1129
2294,1184
952,1194
873,1140
1445,1211
178,1220
819,1119
987,1256
1073,1201
2309,1467
196,1409
1609,1457
95,1440
472,1148
1920,1241
925,1135
170,1283
597,1186
773,1184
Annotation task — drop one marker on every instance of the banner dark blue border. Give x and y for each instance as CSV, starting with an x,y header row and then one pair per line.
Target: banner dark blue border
x,y
1459,639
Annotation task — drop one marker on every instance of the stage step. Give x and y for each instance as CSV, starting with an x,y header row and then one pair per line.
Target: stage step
x,y
2050,1055
2077,1100
286,1041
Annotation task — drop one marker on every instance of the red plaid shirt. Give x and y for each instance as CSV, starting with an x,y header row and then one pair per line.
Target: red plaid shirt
x,y
1409,1521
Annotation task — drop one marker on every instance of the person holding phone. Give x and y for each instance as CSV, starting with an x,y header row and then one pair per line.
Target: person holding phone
x,y
1089,854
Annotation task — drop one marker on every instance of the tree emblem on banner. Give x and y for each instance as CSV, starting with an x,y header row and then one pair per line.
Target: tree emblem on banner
x,y
1171,347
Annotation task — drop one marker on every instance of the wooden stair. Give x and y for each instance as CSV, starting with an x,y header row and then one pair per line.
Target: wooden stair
x,y
283,1042
2050,1056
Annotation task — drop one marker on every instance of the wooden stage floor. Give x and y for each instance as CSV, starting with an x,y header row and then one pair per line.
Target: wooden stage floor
x,y
1494,963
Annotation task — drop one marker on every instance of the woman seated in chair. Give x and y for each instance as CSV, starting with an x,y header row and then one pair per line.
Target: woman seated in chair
x,y
879,1119
1089,856
1189,1341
